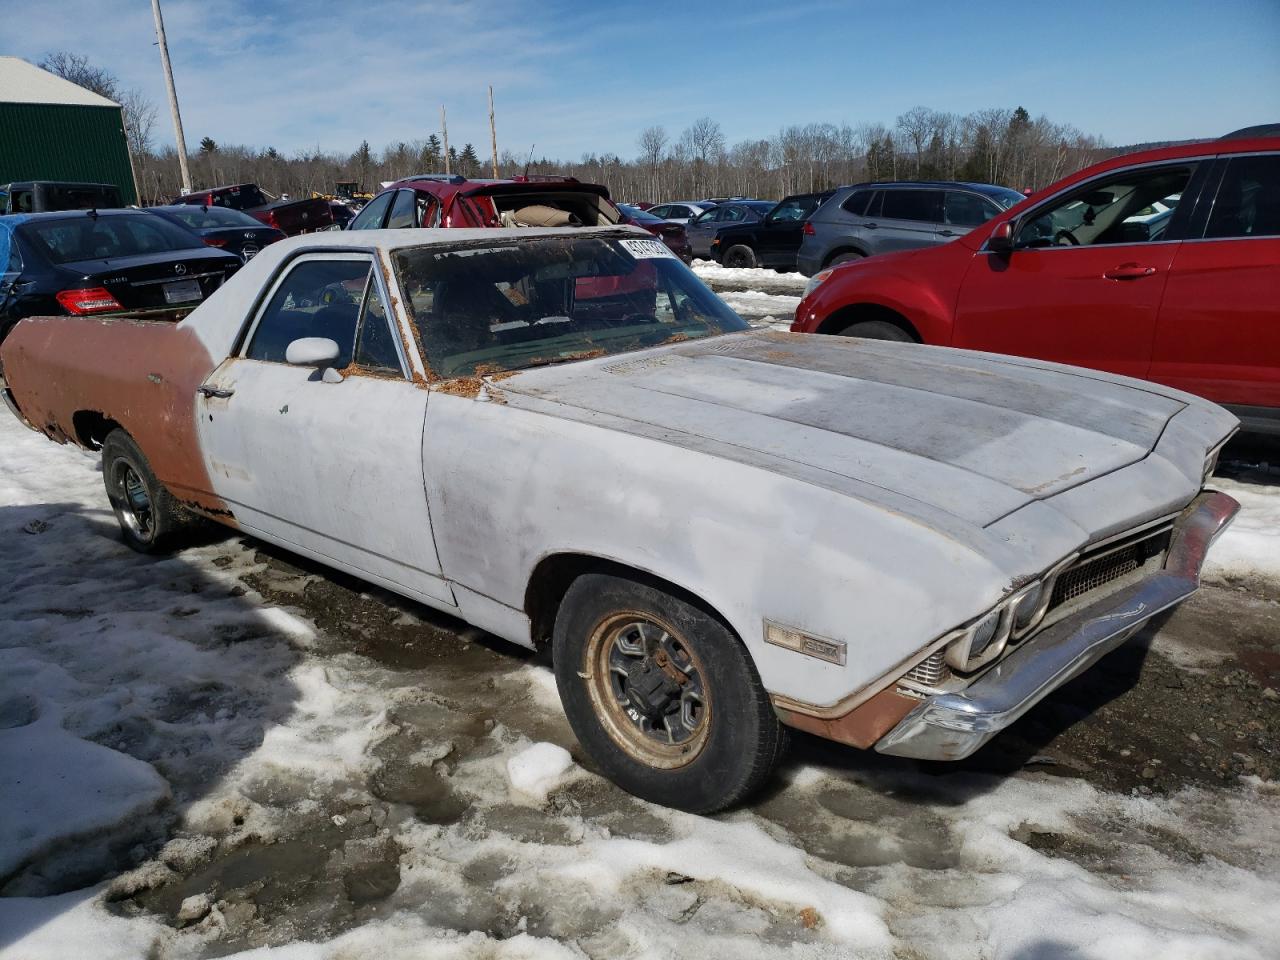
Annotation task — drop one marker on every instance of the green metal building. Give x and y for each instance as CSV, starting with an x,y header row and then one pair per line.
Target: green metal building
x,y
51,129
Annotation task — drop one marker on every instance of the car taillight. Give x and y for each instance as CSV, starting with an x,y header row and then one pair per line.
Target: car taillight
x,y
808,229
215,241
88,300
271,219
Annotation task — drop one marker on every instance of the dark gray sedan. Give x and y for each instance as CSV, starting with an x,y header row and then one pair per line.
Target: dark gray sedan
x,y
702,229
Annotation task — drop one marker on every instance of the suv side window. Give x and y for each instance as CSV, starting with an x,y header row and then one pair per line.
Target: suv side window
x,y
714,215
966,209
734,214
317,298
401,211
370,218
1134,206
857,202
661,212
922,205
1248,201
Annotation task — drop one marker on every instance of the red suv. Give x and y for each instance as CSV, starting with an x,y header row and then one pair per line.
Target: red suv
x,y
442,200
1163,265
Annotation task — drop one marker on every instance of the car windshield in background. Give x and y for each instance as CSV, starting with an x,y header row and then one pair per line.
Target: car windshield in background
x,y
1005,197
86,237
200,217
520,304
638,215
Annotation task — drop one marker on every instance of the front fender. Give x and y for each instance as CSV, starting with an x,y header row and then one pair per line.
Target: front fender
x,y
509,487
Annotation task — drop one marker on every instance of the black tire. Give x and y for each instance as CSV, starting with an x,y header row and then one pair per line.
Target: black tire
x,y
151,521
847,257
740,256
877,330
735,740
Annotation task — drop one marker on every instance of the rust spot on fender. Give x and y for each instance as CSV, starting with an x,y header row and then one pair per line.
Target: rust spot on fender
x,y
60,366
860,727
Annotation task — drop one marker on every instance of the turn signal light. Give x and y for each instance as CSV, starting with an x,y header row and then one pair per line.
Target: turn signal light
x,y
88,300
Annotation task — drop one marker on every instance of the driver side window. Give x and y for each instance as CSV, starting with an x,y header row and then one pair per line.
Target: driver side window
x,y
370,218
1132,207
318,298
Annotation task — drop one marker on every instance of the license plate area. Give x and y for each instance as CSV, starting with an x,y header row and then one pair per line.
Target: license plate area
x,y
182,291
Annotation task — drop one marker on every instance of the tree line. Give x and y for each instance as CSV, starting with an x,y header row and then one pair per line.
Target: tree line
x,y
998,145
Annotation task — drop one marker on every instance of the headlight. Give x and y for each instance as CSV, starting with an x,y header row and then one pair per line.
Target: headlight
x,y
816,280
982,641
1029,608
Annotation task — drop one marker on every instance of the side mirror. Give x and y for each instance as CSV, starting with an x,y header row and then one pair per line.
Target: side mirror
x,y
1001,238
315,352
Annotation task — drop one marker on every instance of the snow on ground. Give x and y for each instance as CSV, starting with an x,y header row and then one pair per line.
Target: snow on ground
x,y
158,714
1250,547
762,309
750,277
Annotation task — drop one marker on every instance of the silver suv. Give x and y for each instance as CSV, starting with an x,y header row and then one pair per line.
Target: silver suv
x,y
870,218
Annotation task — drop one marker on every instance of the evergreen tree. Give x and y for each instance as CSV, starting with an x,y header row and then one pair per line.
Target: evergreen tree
x,y
468,162
432,159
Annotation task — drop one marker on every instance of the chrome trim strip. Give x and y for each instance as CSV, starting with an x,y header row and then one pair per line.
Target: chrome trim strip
x,y
177,279
951,726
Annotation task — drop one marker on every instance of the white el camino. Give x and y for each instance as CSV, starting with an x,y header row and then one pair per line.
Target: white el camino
x,y
564,437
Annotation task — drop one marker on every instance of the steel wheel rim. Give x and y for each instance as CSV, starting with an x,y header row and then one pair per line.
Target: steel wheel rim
x,y
667,727
136,510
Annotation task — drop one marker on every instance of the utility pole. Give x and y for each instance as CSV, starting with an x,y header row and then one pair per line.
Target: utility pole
x,y
173,97
444,130
493,134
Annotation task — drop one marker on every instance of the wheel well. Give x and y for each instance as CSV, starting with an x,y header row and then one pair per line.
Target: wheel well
x,y
553,576
862,312
847,248
91,428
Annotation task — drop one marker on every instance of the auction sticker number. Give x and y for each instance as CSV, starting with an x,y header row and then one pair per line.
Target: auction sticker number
x,y
647,249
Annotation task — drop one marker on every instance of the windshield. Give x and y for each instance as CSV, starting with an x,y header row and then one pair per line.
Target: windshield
x,y
510,305
200,217
1005,197
86,237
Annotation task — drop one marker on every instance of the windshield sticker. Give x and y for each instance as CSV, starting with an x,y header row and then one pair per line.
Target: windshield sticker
x,y
647,249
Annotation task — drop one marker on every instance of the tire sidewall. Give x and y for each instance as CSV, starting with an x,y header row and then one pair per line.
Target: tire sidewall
x,y
723,765
119,449
743,252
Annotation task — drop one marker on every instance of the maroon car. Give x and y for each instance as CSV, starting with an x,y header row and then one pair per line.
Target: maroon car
x,y
290,217
672,234
444,200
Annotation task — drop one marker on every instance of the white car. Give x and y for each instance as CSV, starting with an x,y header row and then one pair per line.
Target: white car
x,y
681,211
564,437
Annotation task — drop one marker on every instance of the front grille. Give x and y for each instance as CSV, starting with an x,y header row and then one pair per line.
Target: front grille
x,y
930,671
1093,573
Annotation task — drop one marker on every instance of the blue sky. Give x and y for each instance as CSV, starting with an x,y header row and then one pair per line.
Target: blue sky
x,y
574,77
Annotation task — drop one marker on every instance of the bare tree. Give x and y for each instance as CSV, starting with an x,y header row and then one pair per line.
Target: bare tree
x,y
705,142
77,68
653,145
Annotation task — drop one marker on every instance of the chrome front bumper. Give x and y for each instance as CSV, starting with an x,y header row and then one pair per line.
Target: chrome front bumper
x,y
951,726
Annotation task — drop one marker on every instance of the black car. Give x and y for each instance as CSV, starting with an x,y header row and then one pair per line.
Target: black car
x,y
222,227
103,262
772,241
703,228
39,196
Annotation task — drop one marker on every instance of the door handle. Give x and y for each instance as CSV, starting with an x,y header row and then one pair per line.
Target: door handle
x,y
871,226
1129,271
220,392
947,233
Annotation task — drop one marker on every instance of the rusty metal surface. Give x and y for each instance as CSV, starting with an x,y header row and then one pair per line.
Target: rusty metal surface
x,y
860,727
142,375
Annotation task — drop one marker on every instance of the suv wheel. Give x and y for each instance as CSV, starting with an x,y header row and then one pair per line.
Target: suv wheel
x,y
847,257
877,330
662,696
740,256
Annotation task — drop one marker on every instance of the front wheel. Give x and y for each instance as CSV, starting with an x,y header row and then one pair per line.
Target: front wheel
x,y
662,696
151,521
740,256
877,330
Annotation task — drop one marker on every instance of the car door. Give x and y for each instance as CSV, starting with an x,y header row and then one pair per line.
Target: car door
x,y
778,236
1076,288
1218,333
904,218
329,465
702,228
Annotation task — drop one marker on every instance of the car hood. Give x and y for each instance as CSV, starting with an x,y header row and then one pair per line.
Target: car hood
x,y
920,429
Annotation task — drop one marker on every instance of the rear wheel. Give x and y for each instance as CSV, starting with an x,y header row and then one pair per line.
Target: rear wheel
x,y
877,330
151,521
662,696
847,257
740,256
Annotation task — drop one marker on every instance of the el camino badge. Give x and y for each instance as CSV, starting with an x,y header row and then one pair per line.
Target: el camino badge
x,y
832,651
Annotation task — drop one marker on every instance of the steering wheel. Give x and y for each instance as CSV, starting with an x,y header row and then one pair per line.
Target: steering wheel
x,y
1066,235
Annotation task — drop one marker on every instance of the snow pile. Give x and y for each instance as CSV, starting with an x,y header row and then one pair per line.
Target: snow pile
x,y
539,769
709,270
753,303
1250,547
